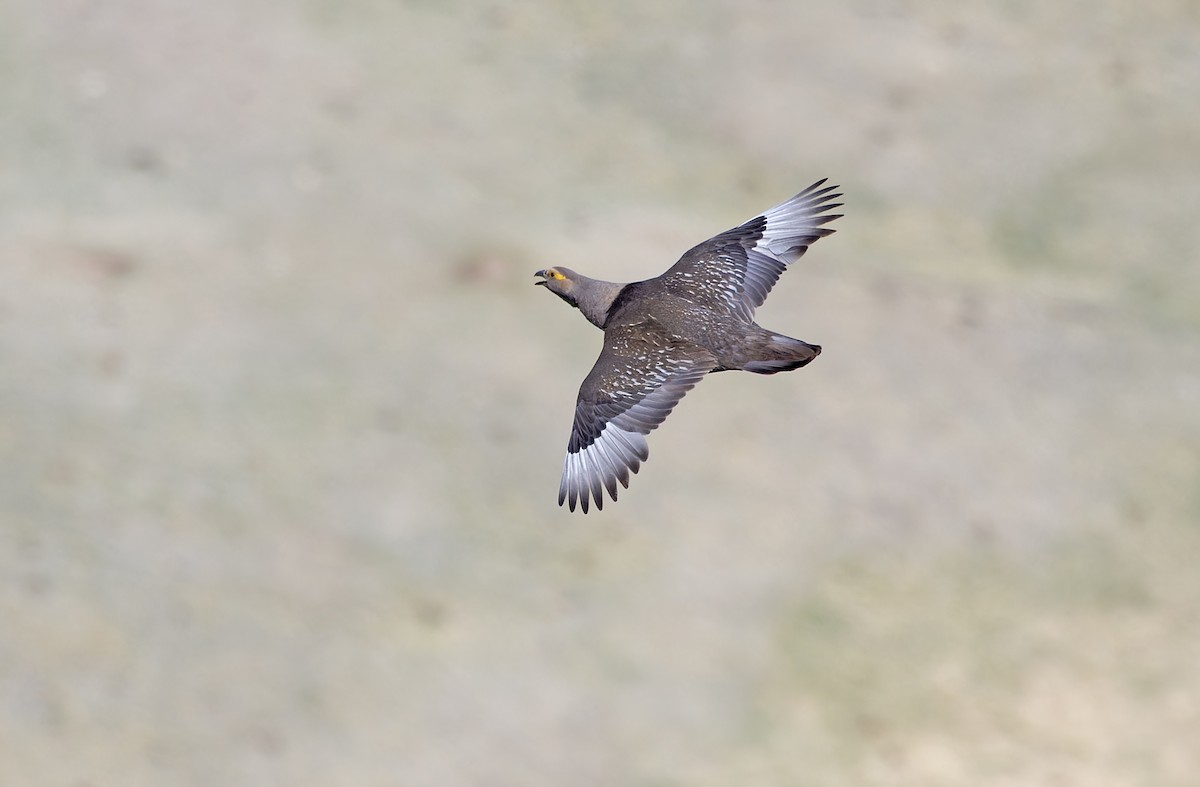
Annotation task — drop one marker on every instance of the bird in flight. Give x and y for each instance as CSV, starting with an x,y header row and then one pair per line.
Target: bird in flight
x,y
662,335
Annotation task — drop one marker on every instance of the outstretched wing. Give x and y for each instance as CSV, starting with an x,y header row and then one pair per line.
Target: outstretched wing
x,y
640,376
737,269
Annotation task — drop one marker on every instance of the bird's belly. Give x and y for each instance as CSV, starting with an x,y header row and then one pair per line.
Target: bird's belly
x,y
723,335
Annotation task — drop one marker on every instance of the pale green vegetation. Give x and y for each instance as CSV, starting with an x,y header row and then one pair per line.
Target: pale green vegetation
x,y
283,415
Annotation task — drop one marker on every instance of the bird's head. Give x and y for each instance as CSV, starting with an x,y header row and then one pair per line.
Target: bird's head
x,y
591,296
563,282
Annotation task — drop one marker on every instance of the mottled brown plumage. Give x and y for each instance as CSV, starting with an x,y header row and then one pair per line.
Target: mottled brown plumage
x,y
662,335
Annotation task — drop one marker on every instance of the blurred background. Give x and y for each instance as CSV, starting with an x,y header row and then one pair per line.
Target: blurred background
x,y
282,416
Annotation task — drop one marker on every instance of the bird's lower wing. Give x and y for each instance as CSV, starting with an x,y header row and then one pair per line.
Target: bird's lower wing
x,y
638,379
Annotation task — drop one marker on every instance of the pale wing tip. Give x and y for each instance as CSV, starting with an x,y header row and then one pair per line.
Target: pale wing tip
x,y
603,466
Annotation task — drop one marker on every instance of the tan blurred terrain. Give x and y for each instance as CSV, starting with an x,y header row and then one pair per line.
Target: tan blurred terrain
x,y
282,417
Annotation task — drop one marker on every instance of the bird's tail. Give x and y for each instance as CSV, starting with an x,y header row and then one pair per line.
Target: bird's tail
x,y
774,352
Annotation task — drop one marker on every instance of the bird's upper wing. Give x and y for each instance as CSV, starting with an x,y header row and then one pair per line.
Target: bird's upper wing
x,y
640,376
737,269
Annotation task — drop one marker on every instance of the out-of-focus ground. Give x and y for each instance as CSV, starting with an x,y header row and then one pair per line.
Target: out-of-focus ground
x,y
282,417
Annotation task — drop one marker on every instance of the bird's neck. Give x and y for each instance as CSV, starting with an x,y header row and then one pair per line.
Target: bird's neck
x,y
597,300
